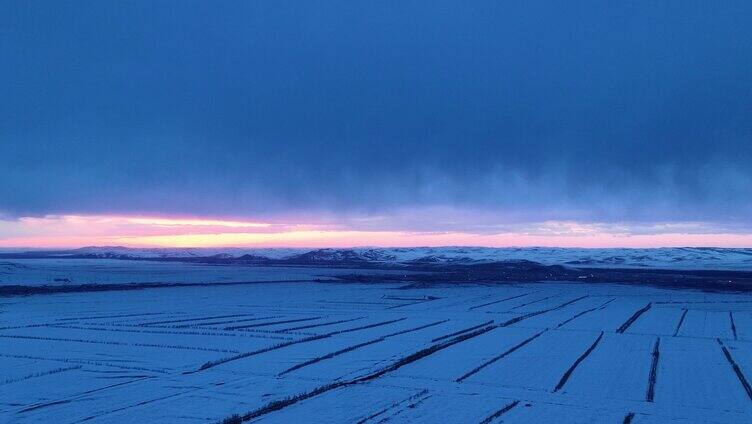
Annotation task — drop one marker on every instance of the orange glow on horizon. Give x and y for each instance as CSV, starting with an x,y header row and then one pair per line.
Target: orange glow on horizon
x,y
71,231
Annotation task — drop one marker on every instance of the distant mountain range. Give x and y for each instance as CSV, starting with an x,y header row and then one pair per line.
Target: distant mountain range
x,y
667,258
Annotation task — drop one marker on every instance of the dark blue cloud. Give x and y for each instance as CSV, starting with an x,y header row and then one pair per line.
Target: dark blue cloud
x,y
543,110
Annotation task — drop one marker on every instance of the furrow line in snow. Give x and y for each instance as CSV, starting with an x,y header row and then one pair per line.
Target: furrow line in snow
x,y
501,300
285,402
419,395
112,343
532,314
200,324
533,302
446,336
681,321
84,362
737,370
266,324
304,327
579,314
576,363
182,332
110,316
411,303
633,318
172,321
243,355
653,371
39,374
499,413
355,347
498,357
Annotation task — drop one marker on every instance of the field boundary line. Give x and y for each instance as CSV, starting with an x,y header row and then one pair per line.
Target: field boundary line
x,y
650,395
576,363
499,413
624,327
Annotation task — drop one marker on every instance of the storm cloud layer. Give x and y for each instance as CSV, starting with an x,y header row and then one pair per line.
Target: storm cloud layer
x,y
531,111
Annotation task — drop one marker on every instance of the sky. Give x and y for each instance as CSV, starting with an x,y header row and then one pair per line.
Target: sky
x,y
338,123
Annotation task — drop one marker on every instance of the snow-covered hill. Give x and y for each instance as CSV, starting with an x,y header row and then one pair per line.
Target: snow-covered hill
x,y
675,258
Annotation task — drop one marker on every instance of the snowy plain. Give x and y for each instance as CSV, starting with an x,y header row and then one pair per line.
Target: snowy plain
x,y
304,351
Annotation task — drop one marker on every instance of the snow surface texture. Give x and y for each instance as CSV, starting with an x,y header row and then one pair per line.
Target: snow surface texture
x,y
673,258
358,353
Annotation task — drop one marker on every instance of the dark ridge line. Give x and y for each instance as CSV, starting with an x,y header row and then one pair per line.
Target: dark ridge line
x,y
579,314
365,327
532,314
38,374
212,364
681,321
633,318
78,396
114,343
303,327
109,316
499,413
505,272
502,300
462,331
200,324
412,303
650,395
628,418
675,302
737,370
172,321
530,303
424,353
265,324
393,297
733,325
393,405
86,362
283,403
354,347
20,290
577,362
498,357
329,356
414,402
376,414
410,330
151,330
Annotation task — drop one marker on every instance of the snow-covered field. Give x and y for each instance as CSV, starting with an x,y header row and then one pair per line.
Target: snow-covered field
x,y
291,352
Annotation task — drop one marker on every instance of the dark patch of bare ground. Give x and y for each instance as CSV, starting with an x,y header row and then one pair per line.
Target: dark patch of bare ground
x,y
420,274
527,271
